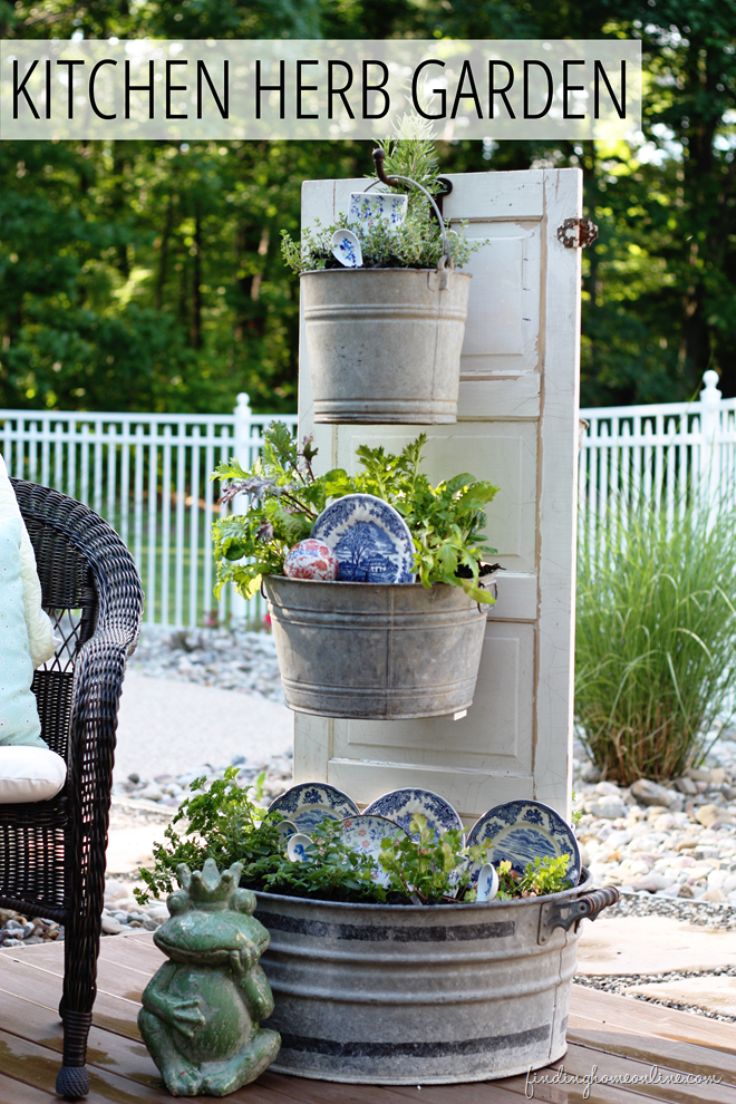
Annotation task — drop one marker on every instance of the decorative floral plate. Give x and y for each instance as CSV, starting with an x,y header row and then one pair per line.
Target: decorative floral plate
x,y
370,538
364,834
371,208
401,805
307,804
525,830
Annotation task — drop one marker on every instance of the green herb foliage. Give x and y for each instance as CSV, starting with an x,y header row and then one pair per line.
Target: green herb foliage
x,y
223,821
446,520
541,876
333,871
427,868
226,822
417,243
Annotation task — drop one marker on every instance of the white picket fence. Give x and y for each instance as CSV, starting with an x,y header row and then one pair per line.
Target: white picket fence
x,y
148,474
664,453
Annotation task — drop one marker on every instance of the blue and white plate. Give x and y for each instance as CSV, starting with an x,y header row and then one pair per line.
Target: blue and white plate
x,y
346,249
297,849
286,829
525,830
486,883
368,209
364,834
307,805
370,538
401,805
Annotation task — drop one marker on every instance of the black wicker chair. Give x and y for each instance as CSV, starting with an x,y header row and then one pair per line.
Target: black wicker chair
x,y
52,853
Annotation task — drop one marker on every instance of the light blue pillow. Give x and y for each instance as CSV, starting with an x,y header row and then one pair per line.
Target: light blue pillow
x,y
19,723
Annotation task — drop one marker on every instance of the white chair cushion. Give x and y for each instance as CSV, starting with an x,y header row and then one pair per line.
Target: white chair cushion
x,y
40,631
30,774
19,723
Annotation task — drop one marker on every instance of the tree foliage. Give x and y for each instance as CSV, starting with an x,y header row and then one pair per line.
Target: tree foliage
x,y
147,275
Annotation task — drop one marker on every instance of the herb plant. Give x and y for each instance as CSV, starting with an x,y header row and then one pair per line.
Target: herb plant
x,y
416,243
223,821
429,869
334,871
541,877
446,520
226,822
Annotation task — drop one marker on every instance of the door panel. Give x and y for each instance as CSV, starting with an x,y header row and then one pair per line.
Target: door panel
x,y
517,427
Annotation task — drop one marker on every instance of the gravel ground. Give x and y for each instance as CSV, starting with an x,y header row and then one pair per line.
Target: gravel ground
x,y
228,659
671,849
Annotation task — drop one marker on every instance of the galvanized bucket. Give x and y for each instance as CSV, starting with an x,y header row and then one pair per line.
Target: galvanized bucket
x,y
375,651
405,994
384,343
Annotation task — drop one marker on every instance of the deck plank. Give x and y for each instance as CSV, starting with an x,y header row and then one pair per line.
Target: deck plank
x,y
632,1015
619,1036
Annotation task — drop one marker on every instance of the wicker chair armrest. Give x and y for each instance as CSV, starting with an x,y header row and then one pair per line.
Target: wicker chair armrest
x,y
98,683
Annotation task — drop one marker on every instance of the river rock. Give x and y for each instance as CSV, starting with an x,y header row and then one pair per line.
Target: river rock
x,y
608,808
647,792
707,815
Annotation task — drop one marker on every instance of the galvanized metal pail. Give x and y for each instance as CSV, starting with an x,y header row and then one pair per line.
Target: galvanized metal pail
x,y
375,651
384,344
405,994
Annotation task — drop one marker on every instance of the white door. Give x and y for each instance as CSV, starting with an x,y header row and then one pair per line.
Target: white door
x,y
518,427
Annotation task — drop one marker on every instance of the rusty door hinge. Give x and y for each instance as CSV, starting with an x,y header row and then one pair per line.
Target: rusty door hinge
x,y
576,233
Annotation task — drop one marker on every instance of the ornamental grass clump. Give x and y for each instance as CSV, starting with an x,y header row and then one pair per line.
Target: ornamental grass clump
x,y
656,641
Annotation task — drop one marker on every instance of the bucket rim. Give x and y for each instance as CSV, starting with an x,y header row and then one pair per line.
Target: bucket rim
x,y
352,583
367,907
342,271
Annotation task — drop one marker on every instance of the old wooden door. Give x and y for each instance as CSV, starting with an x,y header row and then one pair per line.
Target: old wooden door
x,y
518,425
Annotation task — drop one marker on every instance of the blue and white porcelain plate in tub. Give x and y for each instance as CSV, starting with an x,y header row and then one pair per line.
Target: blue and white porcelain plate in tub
x,y
370,538
308,803
525,830
364,834
401,805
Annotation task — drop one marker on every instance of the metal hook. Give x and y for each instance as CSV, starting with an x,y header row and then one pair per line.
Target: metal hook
x,y
379,157
392,181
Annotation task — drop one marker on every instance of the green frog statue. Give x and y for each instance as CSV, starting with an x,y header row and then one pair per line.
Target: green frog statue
x,y
202,1009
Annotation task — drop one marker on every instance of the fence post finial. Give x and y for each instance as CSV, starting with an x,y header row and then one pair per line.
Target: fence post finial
x,y
710,395
710,442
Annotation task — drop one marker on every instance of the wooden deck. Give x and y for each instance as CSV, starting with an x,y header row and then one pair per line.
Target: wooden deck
x,y
616,1036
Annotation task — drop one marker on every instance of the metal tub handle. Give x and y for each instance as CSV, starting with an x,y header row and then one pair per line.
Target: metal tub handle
x,y
565,914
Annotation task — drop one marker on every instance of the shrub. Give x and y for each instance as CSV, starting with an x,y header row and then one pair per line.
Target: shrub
x,y
656,641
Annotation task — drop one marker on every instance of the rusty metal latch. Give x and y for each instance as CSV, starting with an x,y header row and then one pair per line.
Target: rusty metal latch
x,y
576,233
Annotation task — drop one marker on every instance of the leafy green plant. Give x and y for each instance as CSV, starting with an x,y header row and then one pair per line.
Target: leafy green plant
x,y
541,877
226,822
446,520
223,821
416,243
333,871
656,640
429,869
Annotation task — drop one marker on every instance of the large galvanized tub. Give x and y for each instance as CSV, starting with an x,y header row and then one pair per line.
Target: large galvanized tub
x,y
375,651
384,343
404,994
